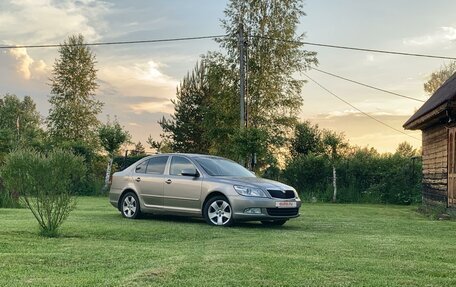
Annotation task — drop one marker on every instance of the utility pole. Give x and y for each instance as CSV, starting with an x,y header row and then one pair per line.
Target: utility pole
x,y
242,74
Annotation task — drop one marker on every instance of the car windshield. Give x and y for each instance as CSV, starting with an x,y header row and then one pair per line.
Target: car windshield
x,y
223,167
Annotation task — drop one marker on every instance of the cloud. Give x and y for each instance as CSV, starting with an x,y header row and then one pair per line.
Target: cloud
x,y
140,87
151,73
151,107
362,131
443,35
355,113
143,74
370,58
26,66
43,21
392,107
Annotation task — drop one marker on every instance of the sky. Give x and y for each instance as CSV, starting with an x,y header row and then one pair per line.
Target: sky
x,y
137,82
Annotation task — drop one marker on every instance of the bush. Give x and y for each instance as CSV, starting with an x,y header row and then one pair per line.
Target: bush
x,y
45,183
95,164
8,199
309,174
364,176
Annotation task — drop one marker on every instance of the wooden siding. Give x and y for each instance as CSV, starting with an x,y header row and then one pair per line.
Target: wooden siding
x,y
435,163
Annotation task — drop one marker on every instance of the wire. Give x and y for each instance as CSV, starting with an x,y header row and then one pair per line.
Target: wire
x,y
221,36
118,42
364,113
357,48
368,86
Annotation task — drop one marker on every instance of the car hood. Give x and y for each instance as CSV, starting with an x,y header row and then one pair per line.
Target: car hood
x,y
254,182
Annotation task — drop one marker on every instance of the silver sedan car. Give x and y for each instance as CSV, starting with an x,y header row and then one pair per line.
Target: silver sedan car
x,y
217,189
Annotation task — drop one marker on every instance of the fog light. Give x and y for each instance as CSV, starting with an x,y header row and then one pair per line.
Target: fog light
x,y
252,210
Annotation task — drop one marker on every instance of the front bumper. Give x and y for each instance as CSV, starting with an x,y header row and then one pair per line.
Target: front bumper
x,y
269,211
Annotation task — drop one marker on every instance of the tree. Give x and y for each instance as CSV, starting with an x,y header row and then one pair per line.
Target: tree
x,y
19,123
206,117
45,182
112,136
74,108
251,143
186,128
307,139
274,58
333,143
222,113
163,145
19,127
139,150
405,149
439,77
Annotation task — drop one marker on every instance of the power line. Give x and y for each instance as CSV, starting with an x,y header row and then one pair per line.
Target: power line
x,y
358,49
364,113
221,36
368,86
119,42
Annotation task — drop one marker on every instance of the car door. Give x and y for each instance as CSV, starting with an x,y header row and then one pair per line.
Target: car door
x,y
149,178
181,192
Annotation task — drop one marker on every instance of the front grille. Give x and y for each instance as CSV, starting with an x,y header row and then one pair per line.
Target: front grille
x,y
281,194
282,211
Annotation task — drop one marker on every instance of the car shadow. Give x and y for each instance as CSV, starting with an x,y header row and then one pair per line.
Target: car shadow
x,y
196,220
259,225
172,218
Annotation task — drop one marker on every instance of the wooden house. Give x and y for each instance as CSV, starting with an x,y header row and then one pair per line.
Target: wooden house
x,y
437,121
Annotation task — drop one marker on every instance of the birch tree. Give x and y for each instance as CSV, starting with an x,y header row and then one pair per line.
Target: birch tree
x,y
112,136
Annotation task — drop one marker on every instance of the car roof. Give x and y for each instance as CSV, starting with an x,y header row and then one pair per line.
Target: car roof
x,y
190,155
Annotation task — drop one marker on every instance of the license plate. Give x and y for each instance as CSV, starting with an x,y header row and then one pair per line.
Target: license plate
x,y
285,204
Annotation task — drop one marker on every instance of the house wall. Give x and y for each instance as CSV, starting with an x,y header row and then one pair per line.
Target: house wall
x,y
435,163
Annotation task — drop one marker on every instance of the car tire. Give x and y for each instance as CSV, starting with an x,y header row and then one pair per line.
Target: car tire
x,y
129,206
274,222
218,211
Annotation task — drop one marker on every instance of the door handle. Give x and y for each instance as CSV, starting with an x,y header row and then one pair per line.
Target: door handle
x,y
168,181
138,179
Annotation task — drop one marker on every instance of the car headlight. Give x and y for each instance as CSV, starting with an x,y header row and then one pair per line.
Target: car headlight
x,y
249,191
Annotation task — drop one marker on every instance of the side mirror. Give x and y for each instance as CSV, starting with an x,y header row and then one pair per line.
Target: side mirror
x,y
190,172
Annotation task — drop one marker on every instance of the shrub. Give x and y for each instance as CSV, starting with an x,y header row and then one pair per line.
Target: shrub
x,y
362,176
95,164
8,199
45,183
309,174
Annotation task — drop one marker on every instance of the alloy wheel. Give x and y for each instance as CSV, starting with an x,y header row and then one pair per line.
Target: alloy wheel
x,y
129,206
219,212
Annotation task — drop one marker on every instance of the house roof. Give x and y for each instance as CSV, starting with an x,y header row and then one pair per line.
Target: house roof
x,y
444,93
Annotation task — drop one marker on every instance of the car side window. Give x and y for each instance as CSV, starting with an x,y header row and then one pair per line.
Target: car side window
x,y
157,165
141,168
179,163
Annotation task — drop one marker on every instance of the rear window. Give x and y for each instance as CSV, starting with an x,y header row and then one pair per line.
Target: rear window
x,y
141,168
157,165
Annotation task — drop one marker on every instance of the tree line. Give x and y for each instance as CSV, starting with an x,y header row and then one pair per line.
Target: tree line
x,y
324,167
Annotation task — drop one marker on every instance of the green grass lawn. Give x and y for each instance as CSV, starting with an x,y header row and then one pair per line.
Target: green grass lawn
x,y
329,245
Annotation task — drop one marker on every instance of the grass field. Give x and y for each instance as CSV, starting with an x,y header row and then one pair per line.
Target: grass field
x,y
329,245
